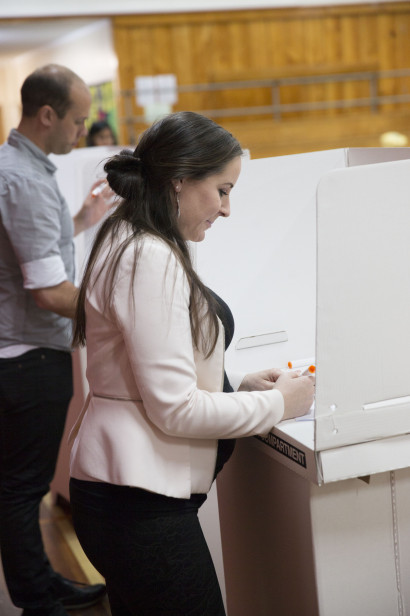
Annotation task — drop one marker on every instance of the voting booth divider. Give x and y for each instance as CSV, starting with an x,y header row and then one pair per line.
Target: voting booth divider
x,y
315,265
313,518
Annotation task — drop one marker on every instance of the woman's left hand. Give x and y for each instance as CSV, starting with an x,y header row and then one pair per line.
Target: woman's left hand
x,y
260,381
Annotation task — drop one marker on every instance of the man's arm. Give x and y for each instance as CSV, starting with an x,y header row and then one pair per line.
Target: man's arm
x,y
61,299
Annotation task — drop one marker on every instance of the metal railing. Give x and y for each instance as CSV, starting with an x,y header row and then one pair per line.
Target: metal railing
x,y
276,109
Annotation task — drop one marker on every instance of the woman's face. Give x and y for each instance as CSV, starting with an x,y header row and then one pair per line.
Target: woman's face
x,y
103,137
201,202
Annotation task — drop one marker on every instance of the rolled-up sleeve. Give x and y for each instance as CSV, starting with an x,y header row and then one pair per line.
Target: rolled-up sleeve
x,y
43,273
31,216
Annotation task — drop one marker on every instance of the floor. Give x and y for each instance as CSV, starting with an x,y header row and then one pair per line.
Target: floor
x,y
65,554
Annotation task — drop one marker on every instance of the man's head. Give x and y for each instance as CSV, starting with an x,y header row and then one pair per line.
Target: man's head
x,y
56,103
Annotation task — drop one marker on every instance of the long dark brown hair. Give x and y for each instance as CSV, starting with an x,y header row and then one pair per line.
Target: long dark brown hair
x,y
181,145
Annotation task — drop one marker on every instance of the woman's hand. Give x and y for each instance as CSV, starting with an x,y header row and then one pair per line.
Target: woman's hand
x,y
260,381
298,393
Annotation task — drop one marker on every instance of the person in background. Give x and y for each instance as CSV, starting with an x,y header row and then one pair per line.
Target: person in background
x,y
162,418
100,133
37,302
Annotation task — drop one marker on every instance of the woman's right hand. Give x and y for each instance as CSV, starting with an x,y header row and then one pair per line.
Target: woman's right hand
x,y
298,393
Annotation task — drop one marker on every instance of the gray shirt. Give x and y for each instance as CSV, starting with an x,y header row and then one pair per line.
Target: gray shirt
x,y
36,245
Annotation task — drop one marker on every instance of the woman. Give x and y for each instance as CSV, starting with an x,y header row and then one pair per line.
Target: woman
x,y
100,133
157,428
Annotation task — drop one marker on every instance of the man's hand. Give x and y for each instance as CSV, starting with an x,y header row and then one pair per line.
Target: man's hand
x,y
94,207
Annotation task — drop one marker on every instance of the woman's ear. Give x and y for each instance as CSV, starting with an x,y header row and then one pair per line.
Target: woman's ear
x,y
177,185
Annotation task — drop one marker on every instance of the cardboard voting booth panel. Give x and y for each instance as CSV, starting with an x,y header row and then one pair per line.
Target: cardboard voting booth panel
x,y
363,300
293,547
301,263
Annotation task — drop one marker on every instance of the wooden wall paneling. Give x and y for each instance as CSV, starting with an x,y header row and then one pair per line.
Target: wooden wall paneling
x,y
258,52
354,53
386,35
266,138
333,45
402,55
134,67
367,37
399,34
350,89
163,49
293,43
186,65
315,53
144,60
394,85
393,38
285,50
223,46
237,32
403,42
280,51
367,48
220,52
183,54
202,42
142,51
257,61
219,61
125,70
160,46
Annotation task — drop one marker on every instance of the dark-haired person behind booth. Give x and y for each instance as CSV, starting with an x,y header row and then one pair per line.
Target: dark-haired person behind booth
x,y
37,303
161,417
100,133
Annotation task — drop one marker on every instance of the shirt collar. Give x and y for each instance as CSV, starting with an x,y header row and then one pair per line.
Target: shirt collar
x,y
18,140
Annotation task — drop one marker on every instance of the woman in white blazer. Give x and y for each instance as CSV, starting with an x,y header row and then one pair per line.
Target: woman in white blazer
x,y
161,417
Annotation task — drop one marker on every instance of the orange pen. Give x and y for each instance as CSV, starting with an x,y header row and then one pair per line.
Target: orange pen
x,y
309,370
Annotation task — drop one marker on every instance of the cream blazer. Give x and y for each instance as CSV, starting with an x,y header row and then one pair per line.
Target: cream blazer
x,y
155,409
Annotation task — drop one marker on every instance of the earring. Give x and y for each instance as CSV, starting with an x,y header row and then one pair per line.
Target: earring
x,y
178,209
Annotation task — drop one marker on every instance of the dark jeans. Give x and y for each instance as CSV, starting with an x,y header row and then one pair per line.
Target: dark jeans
x,y
35,391
150,549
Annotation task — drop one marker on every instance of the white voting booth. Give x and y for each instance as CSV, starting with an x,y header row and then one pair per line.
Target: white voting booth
x,y
315,265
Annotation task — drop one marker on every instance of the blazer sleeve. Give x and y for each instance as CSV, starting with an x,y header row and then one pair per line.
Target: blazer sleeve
x,y
153,316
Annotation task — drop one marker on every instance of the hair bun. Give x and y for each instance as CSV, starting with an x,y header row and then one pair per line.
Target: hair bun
x,y
124,173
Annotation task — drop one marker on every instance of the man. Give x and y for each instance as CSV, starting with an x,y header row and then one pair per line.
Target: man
x,y
37,303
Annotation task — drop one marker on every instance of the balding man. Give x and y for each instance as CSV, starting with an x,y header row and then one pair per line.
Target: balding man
x,y
37,302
